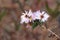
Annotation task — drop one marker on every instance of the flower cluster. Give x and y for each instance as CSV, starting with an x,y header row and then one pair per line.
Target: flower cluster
x,y
30,16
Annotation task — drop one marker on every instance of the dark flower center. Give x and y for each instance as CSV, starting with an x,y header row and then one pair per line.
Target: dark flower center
x,y
42,16
26,16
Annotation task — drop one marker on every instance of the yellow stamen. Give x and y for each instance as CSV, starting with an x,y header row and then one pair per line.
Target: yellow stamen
x,y
30,18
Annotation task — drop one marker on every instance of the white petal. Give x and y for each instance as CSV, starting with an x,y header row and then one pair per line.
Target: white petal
x,y
43,12
30,13
26,12
22,21
23,13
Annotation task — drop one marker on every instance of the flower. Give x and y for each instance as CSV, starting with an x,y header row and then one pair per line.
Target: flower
x,y
26,17
40,16
44,16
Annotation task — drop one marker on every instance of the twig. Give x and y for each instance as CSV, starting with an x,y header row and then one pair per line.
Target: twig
x,y
53,33
49,29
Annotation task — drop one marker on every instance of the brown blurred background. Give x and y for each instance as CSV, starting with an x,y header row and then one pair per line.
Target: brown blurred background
x,y
10,20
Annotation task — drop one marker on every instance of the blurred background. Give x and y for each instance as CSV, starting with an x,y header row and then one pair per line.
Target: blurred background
x,y
11,10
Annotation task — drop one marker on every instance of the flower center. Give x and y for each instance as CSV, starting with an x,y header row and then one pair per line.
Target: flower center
x,y
42,16
26,16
